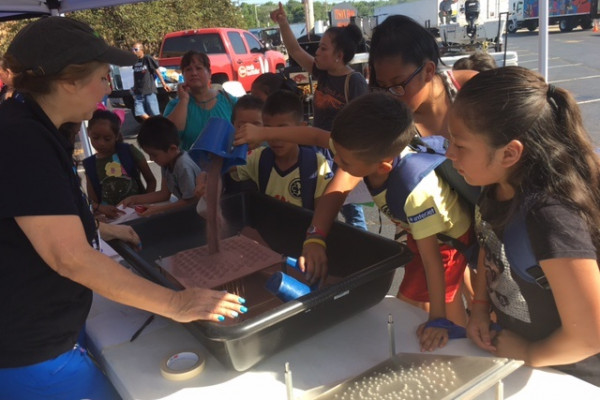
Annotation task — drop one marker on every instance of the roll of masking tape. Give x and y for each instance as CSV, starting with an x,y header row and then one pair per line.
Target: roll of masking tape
x,y
182,366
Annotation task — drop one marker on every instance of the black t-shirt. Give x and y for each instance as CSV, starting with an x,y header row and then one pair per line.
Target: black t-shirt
x,y
330,96
41,312
555,231
144,71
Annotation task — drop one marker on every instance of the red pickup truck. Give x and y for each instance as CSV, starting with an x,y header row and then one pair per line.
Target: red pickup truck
x,y
235,54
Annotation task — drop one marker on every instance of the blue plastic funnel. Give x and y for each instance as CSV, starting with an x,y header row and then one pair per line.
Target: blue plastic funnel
x,y
217,138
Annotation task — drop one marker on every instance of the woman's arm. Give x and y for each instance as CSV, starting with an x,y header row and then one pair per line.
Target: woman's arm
x,y
179,113
301,56
300,134
575,285
60,241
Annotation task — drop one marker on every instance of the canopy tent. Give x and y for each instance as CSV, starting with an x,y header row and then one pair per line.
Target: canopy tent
x,y
19,9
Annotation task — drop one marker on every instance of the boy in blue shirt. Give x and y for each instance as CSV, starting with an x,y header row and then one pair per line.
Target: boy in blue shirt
x,y
159,138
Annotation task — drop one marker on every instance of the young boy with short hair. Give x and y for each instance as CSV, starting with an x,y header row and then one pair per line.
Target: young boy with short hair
x,y
284,170
370,139
158,137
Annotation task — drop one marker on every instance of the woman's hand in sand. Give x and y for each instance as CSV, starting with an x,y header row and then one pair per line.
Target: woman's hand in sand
x,y
205,304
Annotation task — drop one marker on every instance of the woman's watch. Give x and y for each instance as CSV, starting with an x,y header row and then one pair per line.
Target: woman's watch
x,y
313,230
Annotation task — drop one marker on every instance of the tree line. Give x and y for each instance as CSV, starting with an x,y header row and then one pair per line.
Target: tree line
x,y
148,22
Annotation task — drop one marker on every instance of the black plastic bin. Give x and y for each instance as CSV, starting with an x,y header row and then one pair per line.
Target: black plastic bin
x,y
365,262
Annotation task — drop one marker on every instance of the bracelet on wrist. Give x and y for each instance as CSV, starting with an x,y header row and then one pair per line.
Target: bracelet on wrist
x,y
314,231
315,241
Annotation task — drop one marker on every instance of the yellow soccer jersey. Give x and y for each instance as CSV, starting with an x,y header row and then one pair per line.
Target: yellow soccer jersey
x,y
283,185
431,208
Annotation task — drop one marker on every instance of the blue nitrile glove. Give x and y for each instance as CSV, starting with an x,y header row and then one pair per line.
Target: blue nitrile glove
x,y
454,331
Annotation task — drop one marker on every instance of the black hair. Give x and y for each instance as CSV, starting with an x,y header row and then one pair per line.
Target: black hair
x,y
345,39
247,102
375,126
284,102
111,117
558,159
478,61
189,57
402,36
158,133
270,82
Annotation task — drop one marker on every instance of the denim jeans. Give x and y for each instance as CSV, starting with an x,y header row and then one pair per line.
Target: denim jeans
x,y
354,215
72,375
146,104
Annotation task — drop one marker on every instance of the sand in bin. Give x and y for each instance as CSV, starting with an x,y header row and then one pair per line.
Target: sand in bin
x,y
238,256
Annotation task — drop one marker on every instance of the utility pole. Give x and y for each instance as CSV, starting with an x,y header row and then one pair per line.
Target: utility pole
x,y
256,16
309,12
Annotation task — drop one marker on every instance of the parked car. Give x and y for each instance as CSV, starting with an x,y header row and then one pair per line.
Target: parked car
x,y
235,55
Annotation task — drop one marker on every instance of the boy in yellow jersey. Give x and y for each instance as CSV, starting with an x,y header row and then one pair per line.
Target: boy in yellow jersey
x,y
370,139
284,170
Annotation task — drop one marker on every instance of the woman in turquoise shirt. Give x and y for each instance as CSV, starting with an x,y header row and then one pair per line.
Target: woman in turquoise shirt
x,y
196,101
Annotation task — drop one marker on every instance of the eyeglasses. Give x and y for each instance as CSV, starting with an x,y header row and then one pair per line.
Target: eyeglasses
x,y
398,90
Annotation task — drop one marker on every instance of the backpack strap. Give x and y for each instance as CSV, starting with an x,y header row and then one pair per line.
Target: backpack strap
x,y
307,162
89,165
125,153
409,172
519,252
265,165
347,86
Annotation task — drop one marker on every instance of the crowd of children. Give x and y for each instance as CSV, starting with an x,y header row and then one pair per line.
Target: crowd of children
x,y
537,171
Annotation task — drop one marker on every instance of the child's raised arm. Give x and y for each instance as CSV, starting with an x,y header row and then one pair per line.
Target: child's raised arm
x,y
301,134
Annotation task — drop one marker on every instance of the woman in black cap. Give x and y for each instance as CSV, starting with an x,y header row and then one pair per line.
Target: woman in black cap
x,y
48,267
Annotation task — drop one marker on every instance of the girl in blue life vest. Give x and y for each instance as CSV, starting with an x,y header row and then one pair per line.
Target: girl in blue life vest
x,y
113,173
524,142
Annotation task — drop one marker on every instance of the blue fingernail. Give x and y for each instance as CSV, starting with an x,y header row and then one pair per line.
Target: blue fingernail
x,y
241,300
243,309
234,314
221,318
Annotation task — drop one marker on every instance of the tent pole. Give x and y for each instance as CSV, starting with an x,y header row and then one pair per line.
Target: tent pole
x,y
543,39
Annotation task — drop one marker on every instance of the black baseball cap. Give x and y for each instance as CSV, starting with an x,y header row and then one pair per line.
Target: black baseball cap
x,y
48,45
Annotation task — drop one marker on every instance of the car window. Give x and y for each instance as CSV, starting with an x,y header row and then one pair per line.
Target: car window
x,y
209,43
255,46
237,43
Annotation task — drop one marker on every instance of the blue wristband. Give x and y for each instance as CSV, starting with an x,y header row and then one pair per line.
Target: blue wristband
x,y
454,331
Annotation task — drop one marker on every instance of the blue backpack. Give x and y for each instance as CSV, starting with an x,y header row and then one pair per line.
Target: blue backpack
x,y
307,162
431,155
125,156
519,252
